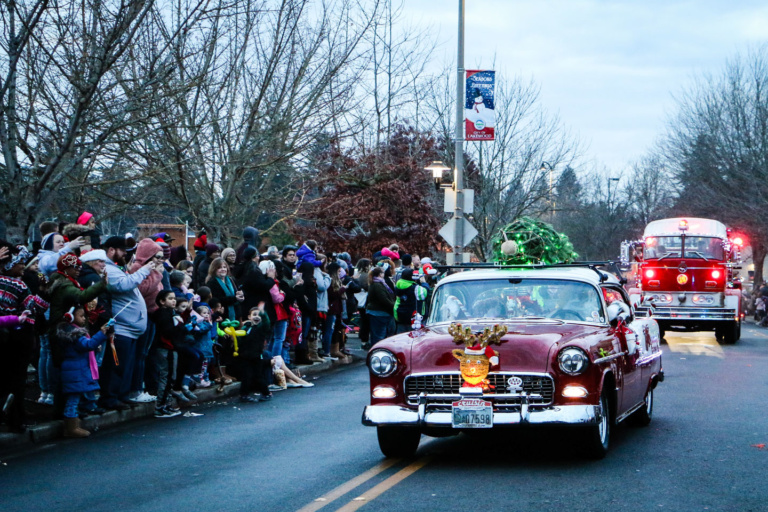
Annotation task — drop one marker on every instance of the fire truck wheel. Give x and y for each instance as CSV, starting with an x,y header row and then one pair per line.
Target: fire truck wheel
x,y
729,332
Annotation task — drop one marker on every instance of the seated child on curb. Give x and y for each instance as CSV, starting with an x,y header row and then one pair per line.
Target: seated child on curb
x,y
284,377
79,371
252,363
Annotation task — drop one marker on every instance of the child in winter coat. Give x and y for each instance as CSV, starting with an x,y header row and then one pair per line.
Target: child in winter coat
x,y
254,366
203,342
79,371
170,331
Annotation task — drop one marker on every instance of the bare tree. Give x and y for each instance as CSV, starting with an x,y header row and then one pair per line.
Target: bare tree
x,y
252,91
717,148
61,103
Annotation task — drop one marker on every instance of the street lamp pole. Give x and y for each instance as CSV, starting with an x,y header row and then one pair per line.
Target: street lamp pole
x,y
458,179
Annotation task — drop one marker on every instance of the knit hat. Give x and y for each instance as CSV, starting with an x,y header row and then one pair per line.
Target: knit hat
x,y
166,249
390,254
210,249
95,255
31,262
178,254
47,243
407,259
201,242
226,252
23,256
407,274
68,260
428,269
84,218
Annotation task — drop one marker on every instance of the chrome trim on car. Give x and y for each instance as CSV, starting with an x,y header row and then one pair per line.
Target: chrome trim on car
x,y
609,358
393,415
538,393
624,416
647,359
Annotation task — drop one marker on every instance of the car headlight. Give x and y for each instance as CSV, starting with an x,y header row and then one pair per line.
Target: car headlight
x,y
573,361
382,363
701,298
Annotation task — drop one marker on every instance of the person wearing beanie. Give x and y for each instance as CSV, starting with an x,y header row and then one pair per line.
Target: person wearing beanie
x,y
85,226
167,267
408,293
178,254
229,255
212,251
65,290
407,262
86,219
17,342
199,246
52,247
147,251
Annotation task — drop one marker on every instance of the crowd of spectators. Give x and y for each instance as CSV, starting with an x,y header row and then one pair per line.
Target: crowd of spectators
x,y
109,322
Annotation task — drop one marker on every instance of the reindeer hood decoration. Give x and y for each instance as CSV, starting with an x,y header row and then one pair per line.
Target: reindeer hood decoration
x,y
478,357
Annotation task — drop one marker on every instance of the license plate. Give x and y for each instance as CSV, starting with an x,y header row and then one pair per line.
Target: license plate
x,y
472,413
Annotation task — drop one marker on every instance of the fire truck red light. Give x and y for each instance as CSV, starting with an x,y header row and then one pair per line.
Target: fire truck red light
x,y
738,241
649,273
715,274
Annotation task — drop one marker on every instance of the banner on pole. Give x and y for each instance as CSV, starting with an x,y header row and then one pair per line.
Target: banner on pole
x,y
479,113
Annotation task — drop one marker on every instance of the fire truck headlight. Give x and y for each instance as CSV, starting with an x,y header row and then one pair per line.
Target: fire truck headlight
x,y
703,298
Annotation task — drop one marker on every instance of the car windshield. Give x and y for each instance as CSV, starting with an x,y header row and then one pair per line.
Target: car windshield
x,y
698,247
517,298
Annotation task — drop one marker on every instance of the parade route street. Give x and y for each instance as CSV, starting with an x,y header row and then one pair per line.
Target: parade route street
x,y
306,450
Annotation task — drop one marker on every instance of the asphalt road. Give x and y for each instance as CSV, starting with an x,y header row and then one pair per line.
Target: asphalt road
x,y
306,450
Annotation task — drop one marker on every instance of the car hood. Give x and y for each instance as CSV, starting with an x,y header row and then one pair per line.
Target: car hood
x,y
527,347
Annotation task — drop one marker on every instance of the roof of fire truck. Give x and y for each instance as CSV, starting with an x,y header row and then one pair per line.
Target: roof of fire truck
x,y
696,227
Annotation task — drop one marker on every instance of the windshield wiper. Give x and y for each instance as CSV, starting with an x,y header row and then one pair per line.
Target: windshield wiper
x,y
697,252
669,254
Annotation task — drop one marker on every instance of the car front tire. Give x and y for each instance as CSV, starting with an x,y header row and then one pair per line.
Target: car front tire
x,y
398,442
598,437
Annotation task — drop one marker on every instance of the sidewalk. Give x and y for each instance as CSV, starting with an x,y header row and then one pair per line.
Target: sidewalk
x,y
51,430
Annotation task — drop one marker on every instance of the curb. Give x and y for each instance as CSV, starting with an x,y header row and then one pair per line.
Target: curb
x,y
53,430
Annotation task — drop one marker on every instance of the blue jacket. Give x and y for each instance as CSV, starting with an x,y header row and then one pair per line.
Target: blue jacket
x,y
76,344
124,289
306,254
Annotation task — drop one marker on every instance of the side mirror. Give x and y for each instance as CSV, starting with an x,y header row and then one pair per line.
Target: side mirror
x,y
618,311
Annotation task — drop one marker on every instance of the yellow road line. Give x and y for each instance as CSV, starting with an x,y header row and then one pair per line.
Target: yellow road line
x,y
385,485
348,486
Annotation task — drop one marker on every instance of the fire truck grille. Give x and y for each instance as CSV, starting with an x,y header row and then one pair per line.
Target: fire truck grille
x,y
443,389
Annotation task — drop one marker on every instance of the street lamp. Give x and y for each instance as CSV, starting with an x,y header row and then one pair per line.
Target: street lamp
x,y
609,190
438,168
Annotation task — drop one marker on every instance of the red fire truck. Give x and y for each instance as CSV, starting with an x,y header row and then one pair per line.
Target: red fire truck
x,y
684,274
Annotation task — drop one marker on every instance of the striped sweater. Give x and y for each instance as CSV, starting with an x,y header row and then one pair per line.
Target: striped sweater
x,y
15,297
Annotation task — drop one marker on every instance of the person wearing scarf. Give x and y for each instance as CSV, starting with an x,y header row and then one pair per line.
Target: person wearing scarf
x,y
65,291
380,306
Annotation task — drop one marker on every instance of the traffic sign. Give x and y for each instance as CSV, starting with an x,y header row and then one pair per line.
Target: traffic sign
x,y
448,232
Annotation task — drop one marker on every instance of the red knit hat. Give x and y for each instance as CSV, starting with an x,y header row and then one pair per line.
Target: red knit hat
x,y
68,260
84,218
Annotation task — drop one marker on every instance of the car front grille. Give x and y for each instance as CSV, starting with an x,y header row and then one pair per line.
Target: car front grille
x,y
442,389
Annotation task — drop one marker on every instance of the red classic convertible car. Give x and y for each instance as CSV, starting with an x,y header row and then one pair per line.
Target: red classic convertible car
x,y
548,345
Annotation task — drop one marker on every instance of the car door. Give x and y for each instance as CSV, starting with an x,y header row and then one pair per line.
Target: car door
x,y
629,335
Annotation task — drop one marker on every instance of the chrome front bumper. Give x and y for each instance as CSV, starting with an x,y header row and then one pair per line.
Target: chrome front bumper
x,y
393,415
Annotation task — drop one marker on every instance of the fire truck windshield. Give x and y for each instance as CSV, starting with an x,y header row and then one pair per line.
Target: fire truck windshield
x,y
700,247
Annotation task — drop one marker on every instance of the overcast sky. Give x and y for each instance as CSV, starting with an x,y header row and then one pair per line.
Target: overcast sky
x,y
609,68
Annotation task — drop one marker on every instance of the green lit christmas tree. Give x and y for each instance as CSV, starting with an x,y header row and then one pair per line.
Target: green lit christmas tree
x,y
528,241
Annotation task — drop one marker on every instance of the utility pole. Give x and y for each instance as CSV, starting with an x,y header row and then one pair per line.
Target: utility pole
x,y
458,179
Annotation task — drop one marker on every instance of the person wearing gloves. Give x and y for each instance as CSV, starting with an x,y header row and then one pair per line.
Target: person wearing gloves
x,y
130,323
52,247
